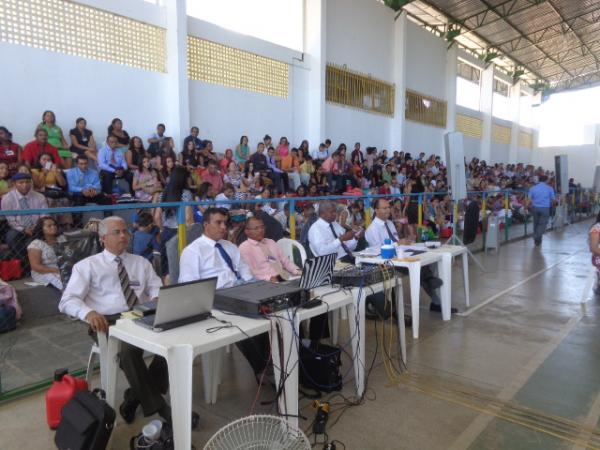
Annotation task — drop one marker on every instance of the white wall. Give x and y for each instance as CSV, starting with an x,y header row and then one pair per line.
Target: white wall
x,y
582,161
425,73
223,114
72,86
359,35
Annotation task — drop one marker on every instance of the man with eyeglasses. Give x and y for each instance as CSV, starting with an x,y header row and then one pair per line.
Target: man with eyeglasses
x,y
263,256
103,286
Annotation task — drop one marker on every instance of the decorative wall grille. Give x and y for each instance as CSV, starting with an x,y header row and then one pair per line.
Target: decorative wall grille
x,y
425,109
357,90
219,64
501,134
526,139
66,27
469,125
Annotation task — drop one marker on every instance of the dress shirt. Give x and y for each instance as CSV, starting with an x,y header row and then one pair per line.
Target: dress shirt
x,y
94,284
262,257
260,161
78,180
322,242
105,156
215,179
376,232
272,164
11,201
201,260
318,154
541,195
33,149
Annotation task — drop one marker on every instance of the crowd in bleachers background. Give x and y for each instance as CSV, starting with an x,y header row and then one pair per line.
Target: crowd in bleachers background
x,y
75,168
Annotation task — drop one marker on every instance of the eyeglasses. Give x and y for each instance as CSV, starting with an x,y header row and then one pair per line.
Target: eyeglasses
x,y
118,232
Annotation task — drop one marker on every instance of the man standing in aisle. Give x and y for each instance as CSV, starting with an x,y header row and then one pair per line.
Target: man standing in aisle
x,y
542,197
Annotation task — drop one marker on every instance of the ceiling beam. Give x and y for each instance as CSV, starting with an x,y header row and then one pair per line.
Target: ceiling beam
x,y
523,35
544,31
504,9
453,19
579,38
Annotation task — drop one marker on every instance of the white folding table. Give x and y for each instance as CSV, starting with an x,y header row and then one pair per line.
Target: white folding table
x,y
450,251
179,347
414,264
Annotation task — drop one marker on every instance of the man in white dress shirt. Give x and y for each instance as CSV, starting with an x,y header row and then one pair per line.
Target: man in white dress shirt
x,y
383,228
103,286
327,236
212,256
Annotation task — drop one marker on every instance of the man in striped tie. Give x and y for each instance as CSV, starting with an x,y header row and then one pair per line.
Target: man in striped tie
x,y
103,286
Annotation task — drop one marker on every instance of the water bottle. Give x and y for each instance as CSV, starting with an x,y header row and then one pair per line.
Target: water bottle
x,y
388,251
150,436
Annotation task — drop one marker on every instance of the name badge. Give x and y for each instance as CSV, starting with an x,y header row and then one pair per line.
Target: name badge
x,y
134,284
9,153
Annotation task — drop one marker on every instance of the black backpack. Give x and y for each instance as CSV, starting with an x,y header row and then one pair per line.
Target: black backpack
x,y
87,422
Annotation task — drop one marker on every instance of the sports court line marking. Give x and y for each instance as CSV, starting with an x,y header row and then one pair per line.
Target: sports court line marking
x,y
512,288
481,422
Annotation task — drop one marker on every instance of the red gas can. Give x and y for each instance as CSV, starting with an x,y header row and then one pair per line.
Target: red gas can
x,y
62,390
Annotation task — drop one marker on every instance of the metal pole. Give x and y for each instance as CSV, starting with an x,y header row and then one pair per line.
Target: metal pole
x,y
181,231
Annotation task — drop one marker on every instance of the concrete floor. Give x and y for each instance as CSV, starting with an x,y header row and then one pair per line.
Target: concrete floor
x,y
524,340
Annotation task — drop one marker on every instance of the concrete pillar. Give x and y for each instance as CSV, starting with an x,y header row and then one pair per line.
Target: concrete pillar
x,y
178,104
399,80
515,116
451,74
315,52
486,101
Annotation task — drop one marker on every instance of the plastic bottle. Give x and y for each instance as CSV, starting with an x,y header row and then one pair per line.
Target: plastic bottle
x,y
388,251
62,390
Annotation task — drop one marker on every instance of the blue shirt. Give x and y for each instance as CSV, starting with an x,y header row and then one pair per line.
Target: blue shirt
x,y
145,243
541,195
105,156
78,180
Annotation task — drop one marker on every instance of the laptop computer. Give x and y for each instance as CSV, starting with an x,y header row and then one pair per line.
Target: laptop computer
x,y
316,272
181,304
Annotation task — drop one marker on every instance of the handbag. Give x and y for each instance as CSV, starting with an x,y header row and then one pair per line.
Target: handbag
x,y
87,422
11,269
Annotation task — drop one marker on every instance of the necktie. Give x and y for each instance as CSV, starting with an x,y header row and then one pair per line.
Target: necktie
x,y
130,296
27,221
390,234
344,246
113,158
227,259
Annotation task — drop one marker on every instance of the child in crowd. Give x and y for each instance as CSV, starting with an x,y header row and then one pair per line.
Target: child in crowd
x,y
146,238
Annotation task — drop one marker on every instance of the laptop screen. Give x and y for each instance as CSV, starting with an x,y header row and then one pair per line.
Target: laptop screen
x,y
184,300
318,271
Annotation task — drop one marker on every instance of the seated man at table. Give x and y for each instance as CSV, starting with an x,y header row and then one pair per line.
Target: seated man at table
x,y
103,286
327,236
212,256
264,257
382,228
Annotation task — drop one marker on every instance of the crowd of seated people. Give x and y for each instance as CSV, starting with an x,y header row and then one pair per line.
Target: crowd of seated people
x,y
48,172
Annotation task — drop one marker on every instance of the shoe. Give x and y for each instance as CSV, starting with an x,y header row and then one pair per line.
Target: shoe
x,y
434,282
537,243
438,308
128,407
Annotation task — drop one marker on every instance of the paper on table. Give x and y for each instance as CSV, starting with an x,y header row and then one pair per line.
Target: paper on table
x,y
370,251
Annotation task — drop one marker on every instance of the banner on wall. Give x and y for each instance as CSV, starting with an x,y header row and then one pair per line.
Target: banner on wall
x,y
455,163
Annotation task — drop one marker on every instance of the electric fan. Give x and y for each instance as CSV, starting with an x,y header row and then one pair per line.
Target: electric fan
x,y
258,432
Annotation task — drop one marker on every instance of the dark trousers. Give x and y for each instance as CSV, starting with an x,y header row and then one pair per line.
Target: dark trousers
x,y
256,351
79,199
540,222
281,181
147,384
107,178
18,242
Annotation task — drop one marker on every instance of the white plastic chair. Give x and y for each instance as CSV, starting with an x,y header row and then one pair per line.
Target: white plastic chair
x,y
100,351
288,245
